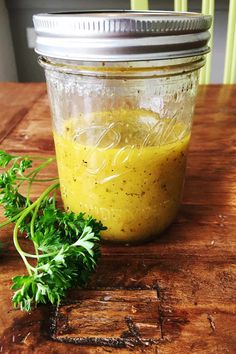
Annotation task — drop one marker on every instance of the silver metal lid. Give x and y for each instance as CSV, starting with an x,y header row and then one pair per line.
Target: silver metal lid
x,y
121,35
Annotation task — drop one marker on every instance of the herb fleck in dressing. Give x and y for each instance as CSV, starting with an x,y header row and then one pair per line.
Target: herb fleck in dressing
x,y
126,168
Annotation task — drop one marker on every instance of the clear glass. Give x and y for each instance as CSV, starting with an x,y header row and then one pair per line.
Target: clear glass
x,y
121,133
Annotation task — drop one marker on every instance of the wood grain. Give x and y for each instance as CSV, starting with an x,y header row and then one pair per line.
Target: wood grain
x,y
114,318
174,295
15,102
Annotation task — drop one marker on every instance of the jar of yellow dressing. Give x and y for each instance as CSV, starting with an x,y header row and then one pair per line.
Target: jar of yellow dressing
x,y
122,87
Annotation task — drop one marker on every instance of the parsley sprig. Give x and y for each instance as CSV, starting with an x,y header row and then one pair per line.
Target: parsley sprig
x,y
66,245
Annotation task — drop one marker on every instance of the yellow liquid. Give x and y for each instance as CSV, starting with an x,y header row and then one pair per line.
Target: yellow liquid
x,y
129,174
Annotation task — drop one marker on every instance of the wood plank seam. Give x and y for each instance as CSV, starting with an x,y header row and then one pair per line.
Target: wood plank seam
x,y
18,117
160,309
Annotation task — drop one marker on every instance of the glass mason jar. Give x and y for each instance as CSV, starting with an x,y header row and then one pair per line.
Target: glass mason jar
x,y
122,89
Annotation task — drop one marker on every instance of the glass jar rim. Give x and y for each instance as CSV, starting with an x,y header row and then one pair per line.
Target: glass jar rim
x,y
129,70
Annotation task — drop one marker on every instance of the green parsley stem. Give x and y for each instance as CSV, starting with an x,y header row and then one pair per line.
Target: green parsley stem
x,y
32,228
29,255
21,218
16,157
37,169
37,180
7,222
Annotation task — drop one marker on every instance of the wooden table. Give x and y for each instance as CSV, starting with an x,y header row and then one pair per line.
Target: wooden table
x,y
175,295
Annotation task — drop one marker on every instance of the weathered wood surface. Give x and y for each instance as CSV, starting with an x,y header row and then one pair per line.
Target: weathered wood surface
x,y
174,295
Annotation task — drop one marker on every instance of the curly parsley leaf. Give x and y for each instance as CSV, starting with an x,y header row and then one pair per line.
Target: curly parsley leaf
x,y
67,245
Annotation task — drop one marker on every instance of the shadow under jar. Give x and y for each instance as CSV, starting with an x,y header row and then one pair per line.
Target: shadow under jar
x,y
122,89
